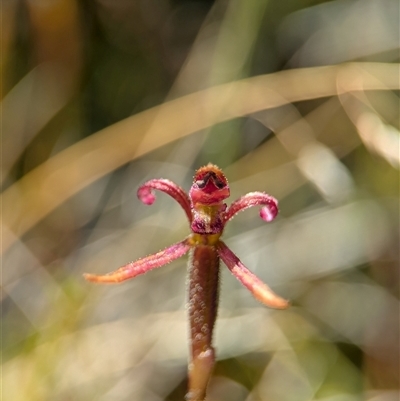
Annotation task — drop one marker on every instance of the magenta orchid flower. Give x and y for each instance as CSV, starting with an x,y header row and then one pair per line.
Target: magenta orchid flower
x,y
207,215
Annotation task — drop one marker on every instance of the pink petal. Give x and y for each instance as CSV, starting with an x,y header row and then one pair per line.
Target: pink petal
x,y
143,265
259,289
268,212
146,195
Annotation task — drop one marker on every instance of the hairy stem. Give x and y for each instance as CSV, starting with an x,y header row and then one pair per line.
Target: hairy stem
x,y
203,302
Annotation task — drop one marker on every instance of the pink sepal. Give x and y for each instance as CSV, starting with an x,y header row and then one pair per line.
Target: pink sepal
x,y
143,265
259,289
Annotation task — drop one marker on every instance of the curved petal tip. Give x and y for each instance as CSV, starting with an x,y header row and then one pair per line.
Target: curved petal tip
x,y
268,213
146,196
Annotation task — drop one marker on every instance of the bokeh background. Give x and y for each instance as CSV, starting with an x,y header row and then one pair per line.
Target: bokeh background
x,y
295,98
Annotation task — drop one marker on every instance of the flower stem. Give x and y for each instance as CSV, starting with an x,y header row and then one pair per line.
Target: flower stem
x,y
203,302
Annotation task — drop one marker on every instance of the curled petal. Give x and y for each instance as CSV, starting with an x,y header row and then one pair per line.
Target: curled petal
x,y
268,212
143,265
146,195
259,289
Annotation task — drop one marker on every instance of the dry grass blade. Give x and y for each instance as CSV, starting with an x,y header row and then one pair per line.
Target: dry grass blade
x,y
46,187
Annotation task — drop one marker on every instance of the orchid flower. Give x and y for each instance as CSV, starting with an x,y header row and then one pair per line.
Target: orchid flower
x,y
207,215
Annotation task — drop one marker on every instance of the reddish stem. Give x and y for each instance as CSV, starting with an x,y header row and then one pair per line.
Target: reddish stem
x,y
203,302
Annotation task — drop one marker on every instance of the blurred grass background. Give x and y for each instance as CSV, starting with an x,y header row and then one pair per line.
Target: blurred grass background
x,y
295,98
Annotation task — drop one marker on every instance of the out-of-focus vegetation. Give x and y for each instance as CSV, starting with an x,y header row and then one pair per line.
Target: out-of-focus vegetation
x,y
99,96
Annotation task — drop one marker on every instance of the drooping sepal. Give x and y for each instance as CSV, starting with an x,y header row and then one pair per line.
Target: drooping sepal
x,y
146,195
143,265
269,205
258,288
